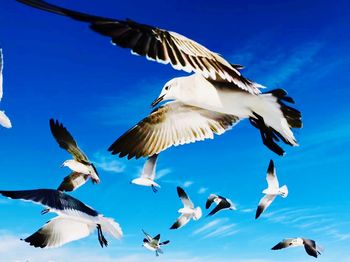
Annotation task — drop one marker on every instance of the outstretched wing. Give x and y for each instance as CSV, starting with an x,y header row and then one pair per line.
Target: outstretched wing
x,y
180,222
210,200
170,125
222,205
59,231
54,199
263,204
283,244
73,181
271,177
160,45
149,167
310,247
186,201
66,141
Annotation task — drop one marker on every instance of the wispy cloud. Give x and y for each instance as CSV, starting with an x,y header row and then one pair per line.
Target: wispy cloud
x,y
202,190
108,163
221,231
163,172
207,226
188,184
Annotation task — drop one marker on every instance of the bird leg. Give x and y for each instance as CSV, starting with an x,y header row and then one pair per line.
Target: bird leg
x,y
101,238
155,190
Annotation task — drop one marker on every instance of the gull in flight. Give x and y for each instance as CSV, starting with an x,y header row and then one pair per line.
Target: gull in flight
x,y
4,120
75,220
82,168
187,212
271,191
221,204
210,101
153,243
148,174
310,245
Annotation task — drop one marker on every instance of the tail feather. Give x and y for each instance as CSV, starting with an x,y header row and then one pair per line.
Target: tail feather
x,y
275,119
283,191
111,227
198,213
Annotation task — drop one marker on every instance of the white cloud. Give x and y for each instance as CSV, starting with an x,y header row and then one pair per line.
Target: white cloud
x,y
108,163
221,231
207,226
202,190
187,183
162,172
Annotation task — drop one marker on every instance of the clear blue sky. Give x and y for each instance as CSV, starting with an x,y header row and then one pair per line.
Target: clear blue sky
x,y
56,67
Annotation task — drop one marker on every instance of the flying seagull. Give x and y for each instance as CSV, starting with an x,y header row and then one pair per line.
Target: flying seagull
x,y
148,174
271,191
205,103
75,220
4,120
221,203
187,212
153,243
310,245
82,168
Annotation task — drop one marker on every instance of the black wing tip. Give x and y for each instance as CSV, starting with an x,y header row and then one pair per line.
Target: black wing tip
x,y
176,225
259,211
271,167
277,247
36,240
180,191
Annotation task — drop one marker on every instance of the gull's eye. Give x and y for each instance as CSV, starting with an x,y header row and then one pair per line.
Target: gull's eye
x,y
166,88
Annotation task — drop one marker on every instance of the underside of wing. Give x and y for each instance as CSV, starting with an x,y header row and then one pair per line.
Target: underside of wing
x,y
171,125
186,201
59,231
222,205
264,203
180,222
66,141
159,45
73,182
271,177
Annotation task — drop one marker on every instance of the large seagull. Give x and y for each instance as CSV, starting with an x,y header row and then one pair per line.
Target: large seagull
x,y
209,101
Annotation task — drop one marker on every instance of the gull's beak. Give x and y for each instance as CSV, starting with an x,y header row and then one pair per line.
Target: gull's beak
x,y
157,101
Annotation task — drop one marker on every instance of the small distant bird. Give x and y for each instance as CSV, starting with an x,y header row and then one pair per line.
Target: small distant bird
x,y
148,174
153,244
310,245
221,203
4,120
75,220
187,212
82,168
272,190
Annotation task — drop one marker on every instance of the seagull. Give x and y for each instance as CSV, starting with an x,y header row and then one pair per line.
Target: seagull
x,y
271,191
310,245
4,120
75,220
153,244
148,174
209,101
187,212
82,168
221,203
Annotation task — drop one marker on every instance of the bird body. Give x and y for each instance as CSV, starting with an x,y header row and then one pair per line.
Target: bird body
x,y
221,203
148,174
86,169
310,245
153,243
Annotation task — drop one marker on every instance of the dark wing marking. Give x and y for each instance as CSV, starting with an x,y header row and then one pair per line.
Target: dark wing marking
x,y
222,205
73,181
170,125
164,243
67,142
310,247
159,45
180,222
184,197
283,244
210,200
51,198
264,203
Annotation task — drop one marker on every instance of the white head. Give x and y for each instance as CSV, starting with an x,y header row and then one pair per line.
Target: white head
x,y
172,90
69,163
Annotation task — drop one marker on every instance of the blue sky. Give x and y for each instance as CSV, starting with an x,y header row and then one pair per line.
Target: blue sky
x,y
56,67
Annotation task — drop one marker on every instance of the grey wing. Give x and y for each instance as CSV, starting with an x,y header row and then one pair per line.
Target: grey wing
x,y
271,177
159,45
73,181
264,203
149,167
210,200
67,142
283,244
170,125
51,198
180,222
184,198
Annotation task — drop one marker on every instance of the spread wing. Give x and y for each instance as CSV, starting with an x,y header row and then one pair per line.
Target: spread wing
x,y
222,205
149,167
180,222
73,182
271,177
310,247
160,45
67,142
170,125
59,231
4,120
54,199
263,204
186,201
210,200
283,244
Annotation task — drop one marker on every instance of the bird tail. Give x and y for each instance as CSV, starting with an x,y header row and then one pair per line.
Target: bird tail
x,y
197,213
275,119
110,226
283,191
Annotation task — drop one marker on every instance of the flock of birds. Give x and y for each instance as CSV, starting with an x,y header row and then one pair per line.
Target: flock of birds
x,y
210,101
